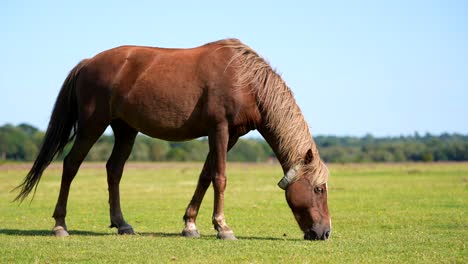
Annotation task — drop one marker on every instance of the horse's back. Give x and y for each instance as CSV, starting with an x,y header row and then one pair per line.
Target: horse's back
x,y
173,94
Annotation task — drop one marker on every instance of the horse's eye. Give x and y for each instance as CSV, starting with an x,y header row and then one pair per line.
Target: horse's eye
x,y
318,190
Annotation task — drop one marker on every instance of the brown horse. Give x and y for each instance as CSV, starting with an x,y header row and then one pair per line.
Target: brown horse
x,y
221,90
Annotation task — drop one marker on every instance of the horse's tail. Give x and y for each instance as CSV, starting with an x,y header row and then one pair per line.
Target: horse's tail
x,y
61,130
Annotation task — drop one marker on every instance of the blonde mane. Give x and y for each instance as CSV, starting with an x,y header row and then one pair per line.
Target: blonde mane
x,y
283,117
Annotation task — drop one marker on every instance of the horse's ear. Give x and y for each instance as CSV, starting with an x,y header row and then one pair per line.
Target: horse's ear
x,y
308,157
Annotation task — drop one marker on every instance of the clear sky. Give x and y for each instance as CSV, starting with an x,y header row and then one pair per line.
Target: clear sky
x,y
381,67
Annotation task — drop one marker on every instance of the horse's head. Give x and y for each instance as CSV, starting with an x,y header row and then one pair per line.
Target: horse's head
x,y
307,198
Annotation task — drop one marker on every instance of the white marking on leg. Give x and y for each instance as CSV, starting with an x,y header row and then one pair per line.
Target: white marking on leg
x,y
191,226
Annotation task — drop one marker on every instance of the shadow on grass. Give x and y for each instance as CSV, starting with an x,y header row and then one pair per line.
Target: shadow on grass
x,y
18,232
268,238
166,235
158,234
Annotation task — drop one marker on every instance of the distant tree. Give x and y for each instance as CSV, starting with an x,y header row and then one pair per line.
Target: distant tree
x,y
158,150
16,144
140,151
177,154
248,150
28,129
427,156
100,151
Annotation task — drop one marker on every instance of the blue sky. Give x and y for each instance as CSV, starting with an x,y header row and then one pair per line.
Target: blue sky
x,y
355,67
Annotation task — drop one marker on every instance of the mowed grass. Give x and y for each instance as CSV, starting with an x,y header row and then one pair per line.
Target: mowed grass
x,y
381,213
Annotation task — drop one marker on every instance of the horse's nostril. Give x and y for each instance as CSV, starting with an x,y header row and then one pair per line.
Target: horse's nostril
x,y
327,234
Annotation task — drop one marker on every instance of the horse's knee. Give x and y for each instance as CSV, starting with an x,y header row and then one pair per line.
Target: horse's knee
x,y
219,182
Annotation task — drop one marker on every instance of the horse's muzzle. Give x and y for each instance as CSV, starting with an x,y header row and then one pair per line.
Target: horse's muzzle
x,y
312,235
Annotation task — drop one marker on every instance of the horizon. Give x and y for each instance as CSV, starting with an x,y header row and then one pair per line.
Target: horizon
x,y
385,69
255,135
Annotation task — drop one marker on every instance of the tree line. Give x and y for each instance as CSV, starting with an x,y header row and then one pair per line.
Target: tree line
x,y
22,143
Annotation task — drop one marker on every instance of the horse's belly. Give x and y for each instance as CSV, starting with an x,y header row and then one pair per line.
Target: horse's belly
x,y
165,119
163,130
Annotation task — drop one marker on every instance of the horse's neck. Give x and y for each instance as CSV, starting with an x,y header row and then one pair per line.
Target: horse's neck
x,y
272,140
283,125
289,148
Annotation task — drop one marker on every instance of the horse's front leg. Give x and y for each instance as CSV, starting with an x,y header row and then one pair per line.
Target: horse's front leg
x,y
211,173
219,143
190,217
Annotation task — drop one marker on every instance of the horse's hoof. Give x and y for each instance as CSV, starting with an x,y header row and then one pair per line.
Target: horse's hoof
x,y
126,230
229,235
190,233
60,231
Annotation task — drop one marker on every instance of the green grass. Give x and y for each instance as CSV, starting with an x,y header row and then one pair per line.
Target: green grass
x,y
381,213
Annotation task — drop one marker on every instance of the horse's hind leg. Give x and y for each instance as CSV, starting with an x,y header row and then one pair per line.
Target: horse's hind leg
x,y
124,139
85,138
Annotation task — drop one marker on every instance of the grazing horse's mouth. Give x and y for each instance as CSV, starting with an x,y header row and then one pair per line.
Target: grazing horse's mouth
x,y
311,234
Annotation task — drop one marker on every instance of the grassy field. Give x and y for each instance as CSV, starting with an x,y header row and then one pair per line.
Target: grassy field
x,y
382,213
